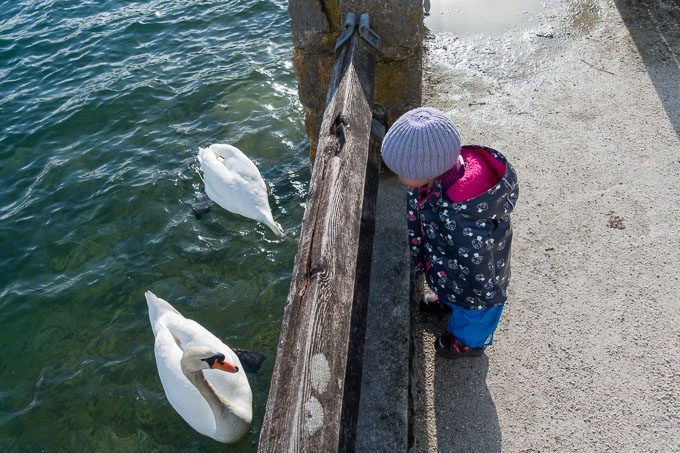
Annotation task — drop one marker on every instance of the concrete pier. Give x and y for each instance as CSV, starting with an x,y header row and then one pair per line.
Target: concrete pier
x,y
584,100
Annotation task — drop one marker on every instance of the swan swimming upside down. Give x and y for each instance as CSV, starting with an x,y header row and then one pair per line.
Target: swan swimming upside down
x,y
202,377
234,182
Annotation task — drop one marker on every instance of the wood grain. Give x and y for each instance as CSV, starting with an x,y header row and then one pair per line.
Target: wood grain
x,y
314,394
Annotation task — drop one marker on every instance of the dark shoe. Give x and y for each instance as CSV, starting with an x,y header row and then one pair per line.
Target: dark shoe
x,y
432,304
450,347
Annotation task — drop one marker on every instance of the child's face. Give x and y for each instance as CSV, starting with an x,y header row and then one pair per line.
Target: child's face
x,y
417,182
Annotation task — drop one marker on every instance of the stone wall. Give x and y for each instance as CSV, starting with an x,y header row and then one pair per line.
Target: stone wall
x,y
316,25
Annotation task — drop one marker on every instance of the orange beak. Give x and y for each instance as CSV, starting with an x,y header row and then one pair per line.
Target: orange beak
x,y
225,366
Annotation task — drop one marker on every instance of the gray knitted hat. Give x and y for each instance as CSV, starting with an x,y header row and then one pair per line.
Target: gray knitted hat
x,y
422,144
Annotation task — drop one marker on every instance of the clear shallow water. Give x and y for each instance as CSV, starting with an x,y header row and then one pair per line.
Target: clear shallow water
x,y
103,106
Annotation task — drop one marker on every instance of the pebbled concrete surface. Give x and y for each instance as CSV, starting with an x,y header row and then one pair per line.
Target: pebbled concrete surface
x,y
585,102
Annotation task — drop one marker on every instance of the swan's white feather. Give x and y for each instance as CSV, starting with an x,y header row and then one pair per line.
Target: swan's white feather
x,y
174,333
182,395
234,182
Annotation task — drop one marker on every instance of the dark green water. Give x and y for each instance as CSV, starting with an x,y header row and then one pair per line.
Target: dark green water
x,y
103,105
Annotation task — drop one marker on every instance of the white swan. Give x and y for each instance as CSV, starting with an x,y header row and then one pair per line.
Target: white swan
x,y
234,182
191,364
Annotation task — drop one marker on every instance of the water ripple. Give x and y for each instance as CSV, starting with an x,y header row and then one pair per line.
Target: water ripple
x,y
103,106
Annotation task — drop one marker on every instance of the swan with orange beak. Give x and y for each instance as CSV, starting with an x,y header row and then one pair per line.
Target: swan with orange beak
x,y
203,378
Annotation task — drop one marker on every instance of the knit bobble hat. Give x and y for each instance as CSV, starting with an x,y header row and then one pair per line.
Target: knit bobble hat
x,y
422,144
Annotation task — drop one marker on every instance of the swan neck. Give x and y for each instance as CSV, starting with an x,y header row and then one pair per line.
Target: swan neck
x,y
230,424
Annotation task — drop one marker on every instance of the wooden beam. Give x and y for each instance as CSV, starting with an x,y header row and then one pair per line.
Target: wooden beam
x,y
314,396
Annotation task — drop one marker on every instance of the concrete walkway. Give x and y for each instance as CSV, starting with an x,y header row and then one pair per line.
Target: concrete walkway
x,y
585,103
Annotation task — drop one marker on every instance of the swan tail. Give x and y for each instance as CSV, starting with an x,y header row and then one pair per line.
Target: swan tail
x,y
157,307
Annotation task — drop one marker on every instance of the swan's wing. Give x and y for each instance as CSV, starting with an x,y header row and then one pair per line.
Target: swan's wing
x,y
239,168
233,386
238,163
235,184
187,332
182,395
242,193
224,188
235,161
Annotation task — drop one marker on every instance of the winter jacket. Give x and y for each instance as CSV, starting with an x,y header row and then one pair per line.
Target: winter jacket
x,y
463,246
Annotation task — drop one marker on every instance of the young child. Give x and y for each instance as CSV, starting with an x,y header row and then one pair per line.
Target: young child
x,y
458,207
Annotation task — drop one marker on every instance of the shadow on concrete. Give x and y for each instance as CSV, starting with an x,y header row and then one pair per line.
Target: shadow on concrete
x,y
460,414
466,415
654,26
384,406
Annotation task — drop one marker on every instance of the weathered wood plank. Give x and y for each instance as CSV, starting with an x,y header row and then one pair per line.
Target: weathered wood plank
x,y
313,399
362,281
